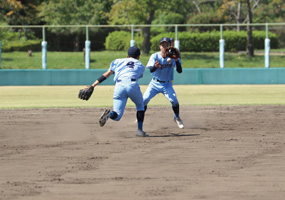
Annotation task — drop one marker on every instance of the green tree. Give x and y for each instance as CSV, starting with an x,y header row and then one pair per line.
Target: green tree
x,y
75,12
238,11
204,12
250,48
166,18
13,12
20,12
270,11
135,12
144,12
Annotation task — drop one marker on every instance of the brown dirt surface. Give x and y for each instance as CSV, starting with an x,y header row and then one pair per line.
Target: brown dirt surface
x,y
224,152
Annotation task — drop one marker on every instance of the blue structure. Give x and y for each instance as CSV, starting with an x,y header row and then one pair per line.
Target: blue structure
x,y
0,53
189,76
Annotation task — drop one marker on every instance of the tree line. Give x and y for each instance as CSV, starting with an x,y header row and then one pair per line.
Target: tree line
x,y
122,12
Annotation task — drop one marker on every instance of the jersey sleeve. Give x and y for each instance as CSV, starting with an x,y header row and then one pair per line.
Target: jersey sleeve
x,y
179,59
112,66
179,62
151,61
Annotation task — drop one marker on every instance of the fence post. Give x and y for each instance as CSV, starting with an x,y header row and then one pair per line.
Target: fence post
x,y
132,41
44,50
222,48
267,49
0,53
176,41
87,50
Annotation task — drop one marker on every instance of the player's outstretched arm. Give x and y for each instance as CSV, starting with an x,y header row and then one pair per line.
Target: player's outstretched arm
x,y
103,77
86,93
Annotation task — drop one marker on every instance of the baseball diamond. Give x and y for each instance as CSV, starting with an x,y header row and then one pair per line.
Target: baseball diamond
x,y
142,100
224,152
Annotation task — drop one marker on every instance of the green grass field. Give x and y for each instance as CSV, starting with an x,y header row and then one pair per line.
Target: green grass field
x,y
102,60
66,96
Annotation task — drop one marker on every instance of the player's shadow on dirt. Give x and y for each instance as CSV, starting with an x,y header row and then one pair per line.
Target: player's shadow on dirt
x,y
174,135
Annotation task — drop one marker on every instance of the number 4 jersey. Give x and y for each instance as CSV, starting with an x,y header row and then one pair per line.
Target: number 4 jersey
x,y
127,68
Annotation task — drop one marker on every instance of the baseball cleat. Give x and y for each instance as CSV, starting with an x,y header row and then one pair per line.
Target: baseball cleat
x,y
179,122
141,133
104,117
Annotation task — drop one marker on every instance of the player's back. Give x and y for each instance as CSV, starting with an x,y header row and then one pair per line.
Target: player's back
x,y
127,68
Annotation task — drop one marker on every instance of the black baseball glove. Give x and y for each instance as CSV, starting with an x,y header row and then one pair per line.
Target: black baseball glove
x,y
86,93
172,52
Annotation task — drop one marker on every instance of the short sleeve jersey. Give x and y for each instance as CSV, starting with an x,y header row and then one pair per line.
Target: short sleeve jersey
x,y
130,68
165,72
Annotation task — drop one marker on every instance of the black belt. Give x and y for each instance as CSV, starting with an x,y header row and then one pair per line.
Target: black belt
x,y
160,80
133,79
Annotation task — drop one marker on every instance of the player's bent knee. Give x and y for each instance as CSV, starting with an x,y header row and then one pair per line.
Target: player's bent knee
x,y
145,101
118,118
175,103
140,108
114,116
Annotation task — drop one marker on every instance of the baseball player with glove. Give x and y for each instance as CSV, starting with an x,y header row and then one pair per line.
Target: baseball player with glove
x,y
172,45
127,72
161,65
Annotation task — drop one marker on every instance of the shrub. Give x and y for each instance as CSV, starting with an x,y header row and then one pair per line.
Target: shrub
x,y
209,41
197,42
117,40
34,45
120,40
11,42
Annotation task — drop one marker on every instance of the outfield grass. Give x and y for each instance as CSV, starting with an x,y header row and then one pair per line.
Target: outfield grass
x,y
66,96
102,60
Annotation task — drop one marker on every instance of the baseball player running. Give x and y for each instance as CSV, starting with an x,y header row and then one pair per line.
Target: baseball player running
x,y
127,72
162,69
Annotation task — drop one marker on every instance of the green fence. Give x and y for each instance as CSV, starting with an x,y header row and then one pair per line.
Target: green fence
x,y
189,76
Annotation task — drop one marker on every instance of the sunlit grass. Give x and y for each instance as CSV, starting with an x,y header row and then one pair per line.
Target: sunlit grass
x,y
66,96
102,60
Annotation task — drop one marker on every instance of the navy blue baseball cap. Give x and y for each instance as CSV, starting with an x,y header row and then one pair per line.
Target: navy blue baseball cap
x,y
134,52
164,39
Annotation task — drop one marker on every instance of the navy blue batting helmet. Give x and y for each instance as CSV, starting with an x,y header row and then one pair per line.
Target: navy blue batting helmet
x,y
164,39
134,52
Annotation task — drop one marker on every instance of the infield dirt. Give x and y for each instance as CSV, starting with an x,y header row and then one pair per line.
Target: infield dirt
x,y
224,152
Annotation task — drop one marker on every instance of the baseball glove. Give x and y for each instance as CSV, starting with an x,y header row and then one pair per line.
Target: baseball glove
x,y
86,93
172,52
